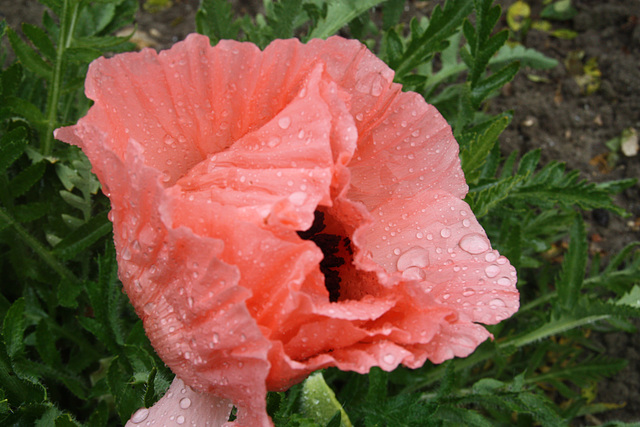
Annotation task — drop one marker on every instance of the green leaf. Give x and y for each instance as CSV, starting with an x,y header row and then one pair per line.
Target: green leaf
x,y
40,40
13,328
339,14
81,55
571,277
29,57
492,83
12,145
23,108
391,13
527,58
215,20
478,146
83,237
632,298
26,179
28,212
46,345
319,402
443,24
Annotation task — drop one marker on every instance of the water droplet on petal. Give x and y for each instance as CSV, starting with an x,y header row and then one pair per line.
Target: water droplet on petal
x,y
497,302
180,419
474,244
126,255
359,117
284,122
504,281
414,257
445,232
492,271
185,402
490,257
388,358
298,198
413,273
140,415
468,292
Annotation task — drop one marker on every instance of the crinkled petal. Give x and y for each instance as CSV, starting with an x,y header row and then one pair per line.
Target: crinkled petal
x,y
215,157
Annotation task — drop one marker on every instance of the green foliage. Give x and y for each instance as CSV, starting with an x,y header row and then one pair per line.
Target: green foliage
x,y
72,351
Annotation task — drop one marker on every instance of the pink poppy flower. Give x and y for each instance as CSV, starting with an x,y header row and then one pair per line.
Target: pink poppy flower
x,y
281,211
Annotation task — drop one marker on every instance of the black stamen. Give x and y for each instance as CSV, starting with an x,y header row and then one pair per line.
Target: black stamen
x,y
329,244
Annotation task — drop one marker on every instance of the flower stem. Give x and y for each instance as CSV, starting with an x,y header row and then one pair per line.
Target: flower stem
x,y
68,21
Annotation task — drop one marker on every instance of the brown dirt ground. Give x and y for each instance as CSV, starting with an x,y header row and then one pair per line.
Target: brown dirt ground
x,y
552,113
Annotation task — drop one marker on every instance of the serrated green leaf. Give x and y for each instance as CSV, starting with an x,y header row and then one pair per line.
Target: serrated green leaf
x,y
391,13
527,58
632,298
29,57
12,145
443,24
485,87
339,14
93,18
215,20
23,108
84,236
475,153
14,326
46,345
40,40
82,55
460,417
26,179
541,409
128,397
28,212
571,277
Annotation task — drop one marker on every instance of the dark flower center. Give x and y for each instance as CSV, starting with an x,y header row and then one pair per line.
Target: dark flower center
x,y
329,244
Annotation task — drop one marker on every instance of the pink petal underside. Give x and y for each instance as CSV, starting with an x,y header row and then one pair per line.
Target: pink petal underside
x,y
182,405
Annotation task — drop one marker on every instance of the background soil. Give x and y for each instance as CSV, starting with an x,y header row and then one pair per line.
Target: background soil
x,y
552,113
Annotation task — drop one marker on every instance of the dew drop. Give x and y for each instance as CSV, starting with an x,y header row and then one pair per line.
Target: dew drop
x,y
301,134
126,255
185,402
474,244
497,302
415,133
168,139
273,141
445,232
490,257
397,251
216,338
466,222
140,415
359,117
298,198
284,122
468,292
180,419
504,281
413,273
389,359
414,257
492,270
